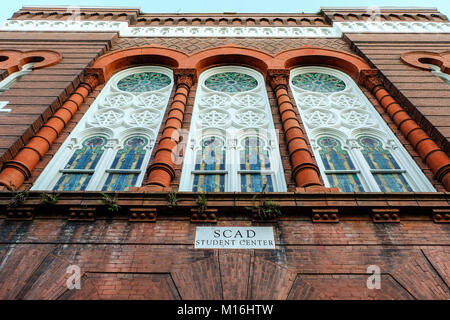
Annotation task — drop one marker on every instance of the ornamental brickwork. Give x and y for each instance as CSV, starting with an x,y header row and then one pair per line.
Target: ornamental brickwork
x,y
139,244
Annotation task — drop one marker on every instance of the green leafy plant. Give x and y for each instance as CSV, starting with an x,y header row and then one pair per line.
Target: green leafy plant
x,y
110,203
172,199
18,197
265,209
202,203
49,198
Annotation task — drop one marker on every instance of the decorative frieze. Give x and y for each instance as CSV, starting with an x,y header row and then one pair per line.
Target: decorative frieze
x,y
224,31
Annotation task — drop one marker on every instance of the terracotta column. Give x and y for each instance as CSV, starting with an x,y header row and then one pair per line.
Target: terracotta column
x,y
436,159
161,171
305,172
16,171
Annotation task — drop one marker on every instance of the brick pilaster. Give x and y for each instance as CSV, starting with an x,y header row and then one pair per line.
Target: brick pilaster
x,y
16,171
161,172
436,159
304,170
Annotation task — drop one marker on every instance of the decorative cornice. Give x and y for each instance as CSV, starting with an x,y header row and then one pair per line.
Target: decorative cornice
x,y
227,31
392,27
169,31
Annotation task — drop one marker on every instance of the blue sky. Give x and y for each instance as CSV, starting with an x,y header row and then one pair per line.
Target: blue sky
x,y
8,7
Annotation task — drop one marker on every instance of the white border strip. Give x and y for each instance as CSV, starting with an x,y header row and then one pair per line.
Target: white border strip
x,y
169,31
393,27
235,32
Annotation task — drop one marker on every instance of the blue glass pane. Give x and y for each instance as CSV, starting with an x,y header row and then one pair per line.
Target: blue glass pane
x,y
212,155
318,82
120,181
144,82
346,182
333,156
231,82
88,156
209,183
73,182
253,156
85,158
130,157
255,183
375,155
392,182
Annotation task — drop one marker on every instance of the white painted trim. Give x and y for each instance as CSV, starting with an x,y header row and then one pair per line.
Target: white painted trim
x,y
348,133
232,133
111,98
6,83
168,31
392,27
224,31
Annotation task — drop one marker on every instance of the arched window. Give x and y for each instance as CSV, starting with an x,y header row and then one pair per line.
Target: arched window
x,y
6,83
232,141
110,147
355,149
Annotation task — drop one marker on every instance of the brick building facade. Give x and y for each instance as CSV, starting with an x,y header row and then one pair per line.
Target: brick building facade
x,y
392,70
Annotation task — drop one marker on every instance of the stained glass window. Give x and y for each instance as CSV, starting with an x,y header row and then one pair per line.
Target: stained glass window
x,y
144,82
318,82
126,166
128,114
210,158
231,82
80,167
232,103
254,158
341,120
384,168
339,168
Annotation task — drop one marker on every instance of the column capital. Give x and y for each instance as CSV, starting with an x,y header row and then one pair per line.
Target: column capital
x,y
185,76
96,72
91,80
370,78
278,77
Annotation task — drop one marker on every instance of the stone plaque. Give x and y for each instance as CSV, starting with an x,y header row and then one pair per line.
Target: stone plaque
x,y
234,238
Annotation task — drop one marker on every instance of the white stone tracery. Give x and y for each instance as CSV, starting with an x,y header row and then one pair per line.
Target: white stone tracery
x,y
231,117
347,115
117,115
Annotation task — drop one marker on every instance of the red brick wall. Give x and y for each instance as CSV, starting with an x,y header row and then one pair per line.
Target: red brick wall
x,y
424,95
35,97
124,260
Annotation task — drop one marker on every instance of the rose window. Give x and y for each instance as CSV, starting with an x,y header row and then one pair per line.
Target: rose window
x,y
143,82
318,82
231,82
